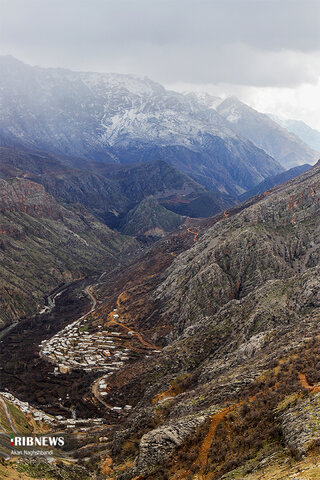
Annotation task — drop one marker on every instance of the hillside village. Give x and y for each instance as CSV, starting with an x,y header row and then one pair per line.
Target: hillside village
x,y
105,349
77,347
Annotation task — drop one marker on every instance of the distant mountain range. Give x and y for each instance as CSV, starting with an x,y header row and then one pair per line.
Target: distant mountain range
x,y
115,118
285,147
307,134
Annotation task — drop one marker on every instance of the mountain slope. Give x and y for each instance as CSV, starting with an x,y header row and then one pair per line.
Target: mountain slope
x,y
110,191
150,219
43,244
288,149
234,382
121,118
203,205
274,181
307,134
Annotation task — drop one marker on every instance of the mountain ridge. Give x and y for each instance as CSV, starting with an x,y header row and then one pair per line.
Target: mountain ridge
x,y
109,191
43,244
274,181
118,118
287,148
307,134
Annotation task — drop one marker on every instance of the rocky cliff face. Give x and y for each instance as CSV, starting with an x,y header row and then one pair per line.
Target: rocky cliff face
x,y
270,240
23,196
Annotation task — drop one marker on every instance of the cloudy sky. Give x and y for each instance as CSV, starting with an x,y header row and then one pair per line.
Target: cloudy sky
x,y
267,52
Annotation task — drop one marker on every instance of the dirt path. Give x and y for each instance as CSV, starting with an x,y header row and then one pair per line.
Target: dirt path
x,y
93,298
163,395
137,334
195,238
139,337
96,393
202,459
88,291
7,413
216,419
305,384
112,321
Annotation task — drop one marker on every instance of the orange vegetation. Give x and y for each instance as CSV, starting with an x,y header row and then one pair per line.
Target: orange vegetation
x,y
305,384
106,466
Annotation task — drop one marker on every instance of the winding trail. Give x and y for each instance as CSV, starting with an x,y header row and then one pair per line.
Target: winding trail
x,y
97,395
195,238
112,321
7,413
137,334
88,291
217,418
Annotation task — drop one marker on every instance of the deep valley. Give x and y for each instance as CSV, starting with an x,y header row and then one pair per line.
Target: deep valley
x,y
159,283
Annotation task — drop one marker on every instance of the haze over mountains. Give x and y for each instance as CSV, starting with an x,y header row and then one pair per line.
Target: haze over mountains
x,y
110,141
125,119
309,135
126,148
184,273
287,148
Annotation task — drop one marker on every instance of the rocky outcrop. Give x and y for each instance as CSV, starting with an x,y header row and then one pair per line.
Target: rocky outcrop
x,y
243,305
273,239
19,195
301,425
159,445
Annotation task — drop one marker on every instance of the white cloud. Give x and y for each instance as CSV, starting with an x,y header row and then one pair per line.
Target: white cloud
x,y
267,52
300,103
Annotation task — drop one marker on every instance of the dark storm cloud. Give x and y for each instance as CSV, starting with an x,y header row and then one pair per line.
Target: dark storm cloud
x,y
249,42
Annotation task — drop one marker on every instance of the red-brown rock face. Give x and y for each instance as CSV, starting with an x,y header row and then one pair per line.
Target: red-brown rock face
x,y
19,195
